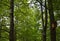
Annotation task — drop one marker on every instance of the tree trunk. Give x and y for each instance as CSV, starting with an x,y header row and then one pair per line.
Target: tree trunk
x,y
44,31
45,25
0,30
12,32
53,23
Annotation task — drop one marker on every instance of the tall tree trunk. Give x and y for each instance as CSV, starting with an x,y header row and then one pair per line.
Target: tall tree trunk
x,y
43,33
0,30
53,23
12,32
45,25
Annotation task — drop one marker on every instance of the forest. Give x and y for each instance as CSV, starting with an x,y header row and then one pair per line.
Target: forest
x,y
29,20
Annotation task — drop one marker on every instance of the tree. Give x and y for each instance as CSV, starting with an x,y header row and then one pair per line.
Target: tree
x,y
43,32
52,21
29,20
12,30
45,25
0,30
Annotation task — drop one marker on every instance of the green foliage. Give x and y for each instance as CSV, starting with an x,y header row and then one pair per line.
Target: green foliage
x,y
27,20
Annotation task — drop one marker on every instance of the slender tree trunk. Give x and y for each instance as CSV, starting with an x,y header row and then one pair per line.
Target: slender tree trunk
x,y
45,25
53,23
0,30
43,33
12,32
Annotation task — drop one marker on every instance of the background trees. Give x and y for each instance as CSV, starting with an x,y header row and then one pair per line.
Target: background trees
x,y
27,21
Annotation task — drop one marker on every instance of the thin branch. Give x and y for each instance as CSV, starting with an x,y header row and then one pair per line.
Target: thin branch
x,y
41,3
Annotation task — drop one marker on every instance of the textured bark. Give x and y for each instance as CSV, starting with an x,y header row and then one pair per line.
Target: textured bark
x,y
52,20
12,32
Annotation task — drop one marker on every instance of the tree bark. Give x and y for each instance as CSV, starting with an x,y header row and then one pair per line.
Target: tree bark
x,y
44,30
0,30
52,21
12,32
45,25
